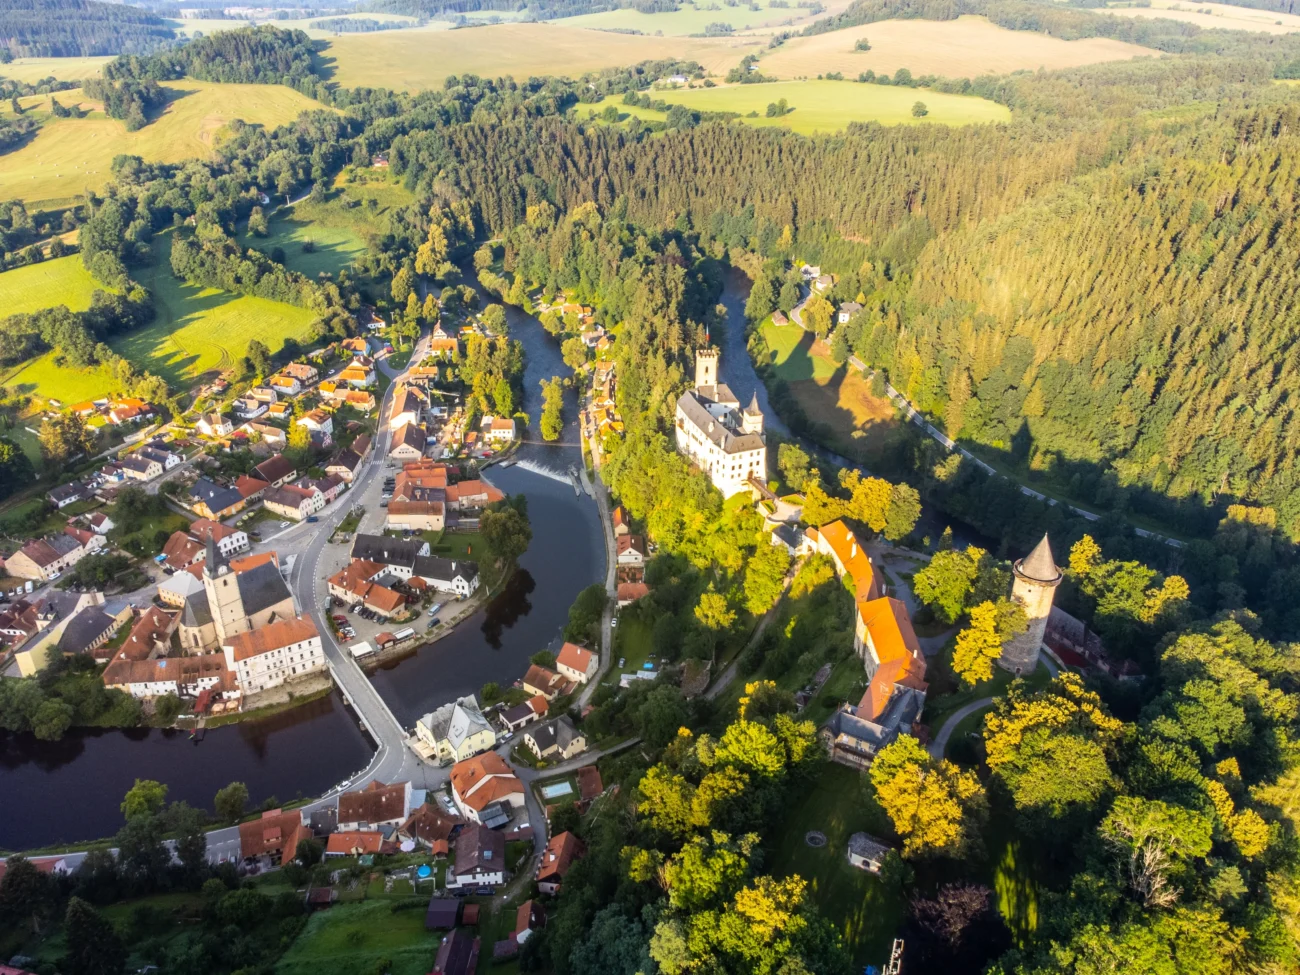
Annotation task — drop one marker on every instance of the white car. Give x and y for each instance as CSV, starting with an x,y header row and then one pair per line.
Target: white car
x,y
613,622
284,524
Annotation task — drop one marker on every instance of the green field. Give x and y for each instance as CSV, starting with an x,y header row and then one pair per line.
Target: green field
x,y
44,376
793,356
837,804
64,281
333,247
824,106
350,937
69,156
199,330
63,69
689,19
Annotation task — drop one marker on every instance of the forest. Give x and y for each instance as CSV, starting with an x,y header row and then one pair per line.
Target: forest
x,y
78,28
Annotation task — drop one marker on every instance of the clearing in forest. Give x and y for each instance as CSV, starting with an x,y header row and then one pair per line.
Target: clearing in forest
x,y
411,60
823,106
64,281
32,70
963,48
72,155
1215,15
855,422
696,18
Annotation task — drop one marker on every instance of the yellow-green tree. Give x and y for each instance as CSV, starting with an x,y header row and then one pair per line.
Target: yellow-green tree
x,y
931,802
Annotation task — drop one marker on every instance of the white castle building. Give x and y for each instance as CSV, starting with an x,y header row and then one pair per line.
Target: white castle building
x,y
724,441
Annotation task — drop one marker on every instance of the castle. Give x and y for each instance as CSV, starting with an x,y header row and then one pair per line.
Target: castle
x,y
724,441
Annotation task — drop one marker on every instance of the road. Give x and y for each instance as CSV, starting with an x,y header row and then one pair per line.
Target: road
x,y
939,743
601,494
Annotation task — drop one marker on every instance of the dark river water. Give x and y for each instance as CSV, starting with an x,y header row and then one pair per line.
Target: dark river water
x,y
70,790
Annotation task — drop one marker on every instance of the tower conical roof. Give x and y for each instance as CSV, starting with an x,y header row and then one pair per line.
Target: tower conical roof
x,y
211,559
753,407
1039,565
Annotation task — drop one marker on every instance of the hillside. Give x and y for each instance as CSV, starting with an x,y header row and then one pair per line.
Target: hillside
x,y
79,28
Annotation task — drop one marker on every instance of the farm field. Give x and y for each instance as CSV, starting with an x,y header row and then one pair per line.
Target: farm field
x,y
62,69
1215,15
190,28
411,60
965,47
199,330
44,376
69,156
829,106
333,245
64,281
694,18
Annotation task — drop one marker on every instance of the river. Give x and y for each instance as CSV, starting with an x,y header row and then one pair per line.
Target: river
x,y
69,791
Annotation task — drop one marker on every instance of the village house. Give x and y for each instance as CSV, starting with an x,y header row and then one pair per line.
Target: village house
x,y
631,550
629,592
866,852
330,486
498,429
408,443
281,651
458,952
248,408
301,371
576,663
212,501
354,584
432,827
397,555
317,421
456,731
276,470
186,548
66,494
723,441
480,858
128,410
547,683
276,835
529,917
622,521
374,806
214,425
359,374
272,436
284,386
150,635
354,843
100,523
559,739
531,710
471,495
346,462
139,468
415,516
409,404
181,676
484,786
560,854
263,394
45,558
846,312
83,630
293,502
251,488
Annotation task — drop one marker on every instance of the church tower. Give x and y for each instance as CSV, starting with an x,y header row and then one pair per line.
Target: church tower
x,y
706,368
1036,579
752,417
224,600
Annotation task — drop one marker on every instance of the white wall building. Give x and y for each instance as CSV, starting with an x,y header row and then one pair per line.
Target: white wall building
x,y
281,651
725,442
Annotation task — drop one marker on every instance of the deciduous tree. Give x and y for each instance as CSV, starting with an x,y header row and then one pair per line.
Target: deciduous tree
x,y
930,801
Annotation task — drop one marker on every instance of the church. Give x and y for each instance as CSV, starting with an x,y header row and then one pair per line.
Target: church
x,y
720,438
237,596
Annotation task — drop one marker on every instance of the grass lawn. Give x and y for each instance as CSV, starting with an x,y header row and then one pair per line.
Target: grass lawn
x,y
332,247
63,281
971,724
632,640
459,545
837,804
44,376
202,330
838,397
350,937
939,706
69,156
963,48
168,522
411,60
829,106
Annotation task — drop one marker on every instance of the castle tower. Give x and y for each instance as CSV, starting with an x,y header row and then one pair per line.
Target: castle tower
x,y
752,417
706,368
224,601
1036,579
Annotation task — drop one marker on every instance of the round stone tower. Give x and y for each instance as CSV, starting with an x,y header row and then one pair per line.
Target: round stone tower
x,y
1036,579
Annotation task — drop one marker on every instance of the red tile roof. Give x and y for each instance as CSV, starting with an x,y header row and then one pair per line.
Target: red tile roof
x,y
275,635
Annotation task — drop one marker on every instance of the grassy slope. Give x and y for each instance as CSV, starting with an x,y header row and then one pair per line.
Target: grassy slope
x,y
198,330
694,19
966,47
69,156
60,282
63,69
415,59
836,804
349,937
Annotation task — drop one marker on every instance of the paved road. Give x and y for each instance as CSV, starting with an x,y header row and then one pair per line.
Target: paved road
x,y
601,494
939,744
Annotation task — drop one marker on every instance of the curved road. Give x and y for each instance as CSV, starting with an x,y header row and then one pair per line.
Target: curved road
x,y
939,744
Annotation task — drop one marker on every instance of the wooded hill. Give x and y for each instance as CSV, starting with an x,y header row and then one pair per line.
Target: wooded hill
x,y
78,28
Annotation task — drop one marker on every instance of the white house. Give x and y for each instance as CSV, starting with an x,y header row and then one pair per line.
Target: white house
x,y
214,425
576,663
270,655
498,429
317,421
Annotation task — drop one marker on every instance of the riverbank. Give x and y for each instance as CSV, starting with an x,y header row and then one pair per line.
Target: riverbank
x,y
277,700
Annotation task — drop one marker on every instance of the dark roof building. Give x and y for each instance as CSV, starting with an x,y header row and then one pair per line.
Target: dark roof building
x,y
215,497
457,955
87,630
389,551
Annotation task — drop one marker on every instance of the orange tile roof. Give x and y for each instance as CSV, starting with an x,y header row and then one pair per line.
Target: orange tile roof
x,y
274,831
376,803
275,635
354,844
572,655
890,629
559,856
851,557
483,779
